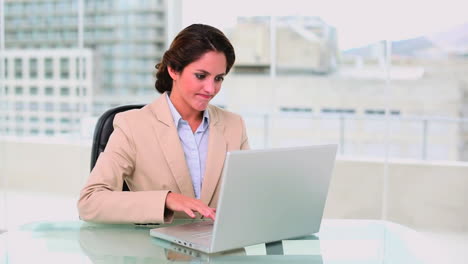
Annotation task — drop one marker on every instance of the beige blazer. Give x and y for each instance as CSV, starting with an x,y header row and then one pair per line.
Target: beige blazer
x,y
145,151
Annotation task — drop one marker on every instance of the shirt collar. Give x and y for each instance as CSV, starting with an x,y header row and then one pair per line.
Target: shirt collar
x,y
177,117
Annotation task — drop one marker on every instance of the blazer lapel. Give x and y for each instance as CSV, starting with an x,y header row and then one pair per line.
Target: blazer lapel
x,y
170,144
217,147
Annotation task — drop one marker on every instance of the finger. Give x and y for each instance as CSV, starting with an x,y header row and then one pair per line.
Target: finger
x,y
211,211
200,207
203,211
189,212
213,216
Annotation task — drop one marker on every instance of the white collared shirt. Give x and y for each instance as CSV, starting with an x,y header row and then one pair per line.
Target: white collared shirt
x,y
195,145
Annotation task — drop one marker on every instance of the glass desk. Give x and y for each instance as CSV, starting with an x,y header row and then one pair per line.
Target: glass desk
x,y
339,241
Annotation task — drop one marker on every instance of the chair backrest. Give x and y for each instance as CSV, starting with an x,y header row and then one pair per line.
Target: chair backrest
x,y
103,130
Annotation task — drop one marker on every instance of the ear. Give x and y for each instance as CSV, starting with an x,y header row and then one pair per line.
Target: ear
x,y
173,73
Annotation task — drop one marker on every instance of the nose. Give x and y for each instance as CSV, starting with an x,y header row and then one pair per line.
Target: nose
x,y
210,87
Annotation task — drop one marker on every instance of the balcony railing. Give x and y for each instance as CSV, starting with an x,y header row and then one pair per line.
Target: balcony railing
x,y
425,138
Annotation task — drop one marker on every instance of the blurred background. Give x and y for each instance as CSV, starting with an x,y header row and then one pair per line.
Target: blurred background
x,y
386,80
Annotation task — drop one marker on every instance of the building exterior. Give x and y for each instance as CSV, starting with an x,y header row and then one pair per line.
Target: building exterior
x,y
45,92
120,41
127,38
289,44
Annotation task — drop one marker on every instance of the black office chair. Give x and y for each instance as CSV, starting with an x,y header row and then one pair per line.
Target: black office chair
x,y
104,129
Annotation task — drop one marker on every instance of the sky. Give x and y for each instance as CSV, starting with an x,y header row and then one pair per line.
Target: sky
x,y
358,22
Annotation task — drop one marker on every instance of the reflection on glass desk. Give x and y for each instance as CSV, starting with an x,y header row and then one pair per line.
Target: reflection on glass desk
x,y
339,241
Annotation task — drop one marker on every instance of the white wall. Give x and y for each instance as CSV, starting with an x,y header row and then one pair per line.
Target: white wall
x,y
423,195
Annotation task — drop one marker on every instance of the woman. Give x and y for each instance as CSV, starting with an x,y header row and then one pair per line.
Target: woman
x,y
171,152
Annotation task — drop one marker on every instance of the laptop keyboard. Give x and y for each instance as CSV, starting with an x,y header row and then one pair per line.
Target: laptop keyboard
x,y
203,229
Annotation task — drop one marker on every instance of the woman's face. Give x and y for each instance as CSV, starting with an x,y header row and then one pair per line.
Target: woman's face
x,y
198,83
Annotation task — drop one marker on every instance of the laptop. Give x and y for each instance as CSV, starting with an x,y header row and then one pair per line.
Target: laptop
x,y
266,195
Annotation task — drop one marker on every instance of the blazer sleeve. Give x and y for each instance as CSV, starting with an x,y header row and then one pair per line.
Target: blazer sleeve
x,y
102,198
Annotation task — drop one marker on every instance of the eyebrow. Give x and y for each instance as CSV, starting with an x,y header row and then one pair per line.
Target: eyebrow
x,y
206,72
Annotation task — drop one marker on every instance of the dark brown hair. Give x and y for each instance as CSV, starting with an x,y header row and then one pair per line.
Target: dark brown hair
x,y
188,46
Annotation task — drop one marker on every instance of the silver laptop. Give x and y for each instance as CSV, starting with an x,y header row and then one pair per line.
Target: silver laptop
x,y
266,195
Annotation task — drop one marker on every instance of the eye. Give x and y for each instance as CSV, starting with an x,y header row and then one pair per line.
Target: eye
x,y
200,76
219,78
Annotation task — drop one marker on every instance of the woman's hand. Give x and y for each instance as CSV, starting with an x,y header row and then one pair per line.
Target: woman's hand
x,y
181,203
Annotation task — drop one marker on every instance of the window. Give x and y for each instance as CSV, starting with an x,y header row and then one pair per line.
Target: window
x,y
19,119
18,90
375,112
65,120
64,91
108,90
338,111
33,90
84,68
34,119
49,107
64,68
81,66
49,91
159,45
160,31
33,68
19,131
33,106
18,68
6,67
380,112
49,120
296,109
3,106
77,68
48,68
65,107
19,106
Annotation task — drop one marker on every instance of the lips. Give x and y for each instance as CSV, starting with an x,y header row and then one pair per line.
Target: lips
x,y
205,96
